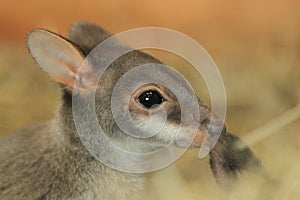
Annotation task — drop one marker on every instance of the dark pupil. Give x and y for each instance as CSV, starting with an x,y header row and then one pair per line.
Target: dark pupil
x,y
150,98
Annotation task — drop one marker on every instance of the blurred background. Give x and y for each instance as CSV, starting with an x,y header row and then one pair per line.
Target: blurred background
x,y
255,44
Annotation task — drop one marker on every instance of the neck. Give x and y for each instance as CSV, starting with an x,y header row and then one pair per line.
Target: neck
x,y
100,180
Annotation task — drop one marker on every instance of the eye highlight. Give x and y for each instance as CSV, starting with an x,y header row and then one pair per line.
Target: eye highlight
x,y
150,98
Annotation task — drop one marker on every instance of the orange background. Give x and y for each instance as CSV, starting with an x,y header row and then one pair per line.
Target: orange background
x,y
197,18
255,44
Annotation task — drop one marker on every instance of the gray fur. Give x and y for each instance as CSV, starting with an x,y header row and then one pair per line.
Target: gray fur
x,y
87,36
48,160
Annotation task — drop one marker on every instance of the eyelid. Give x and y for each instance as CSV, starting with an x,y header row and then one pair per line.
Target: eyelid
x,y
157,88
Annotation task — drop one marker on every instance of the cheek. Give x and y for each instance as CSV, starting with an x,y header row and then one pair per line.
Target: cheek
x,y
173,112
150,126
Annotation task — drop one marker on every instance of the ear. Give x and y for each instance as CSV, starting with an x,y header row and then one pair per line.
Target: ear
x,y
228,160
55,55
87,36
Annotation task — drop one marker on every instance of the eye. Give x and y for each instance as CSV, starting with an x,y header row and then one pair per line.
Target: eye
x,y
150,98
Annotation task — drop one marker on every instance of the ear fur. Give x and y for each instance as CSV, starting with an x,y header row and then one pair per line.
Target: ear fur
x,y
87,35
57,56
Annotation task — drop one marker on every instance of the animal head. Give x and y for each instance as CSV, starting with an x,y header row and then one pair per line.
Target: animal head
x,y
68,62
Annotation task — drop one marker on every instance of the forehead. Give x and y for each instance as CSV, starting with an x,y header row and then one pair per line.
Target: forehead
x,y
136,69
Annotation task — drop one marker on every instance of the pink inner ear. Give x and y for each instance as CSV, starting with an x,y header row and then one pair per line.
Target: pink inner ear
x,y
66,80
57,57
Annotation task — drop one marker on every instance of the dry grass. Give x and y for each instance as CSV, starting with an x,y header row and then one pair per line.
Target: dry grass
x,y
263,108
262,83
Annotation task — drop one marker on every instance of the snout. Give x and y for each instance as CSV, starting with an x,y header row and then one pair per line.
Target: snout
x,y
210,128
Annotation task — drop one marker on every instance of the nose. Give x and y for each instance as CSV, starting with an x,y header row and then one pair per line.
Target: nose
x,y
215,128
211,122
210,128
